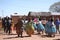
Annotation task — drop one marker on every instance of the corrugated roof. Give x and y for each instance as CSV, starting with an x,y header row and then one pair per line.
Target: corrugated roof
x,y
40,14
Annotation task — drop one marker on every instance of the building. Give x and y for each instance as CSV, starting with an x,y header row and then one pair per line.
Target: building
x,y
40,14
55,15
15,17
46,15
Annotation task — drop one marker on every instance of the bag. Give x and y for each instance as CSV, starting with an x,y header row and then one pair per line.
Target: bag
x,y
29,28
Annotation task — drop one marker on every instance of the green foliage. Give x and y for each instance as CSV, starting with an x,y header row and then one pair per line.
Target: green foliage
x,y
55,7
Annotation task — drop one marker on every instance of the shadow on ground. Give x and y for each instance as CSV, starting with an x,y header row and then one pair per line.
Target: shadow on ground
x,y
43,36
15,37
56,39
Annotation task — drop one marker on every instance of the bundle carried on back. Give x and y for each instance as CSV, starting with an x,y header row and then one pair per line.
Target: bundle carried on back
x,y
29,28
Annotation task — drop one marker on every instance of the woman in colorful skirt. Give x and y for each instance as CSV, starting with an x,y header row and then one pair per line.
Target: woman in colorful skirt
x,y
57,23
29,28
40,27
50,28
34,25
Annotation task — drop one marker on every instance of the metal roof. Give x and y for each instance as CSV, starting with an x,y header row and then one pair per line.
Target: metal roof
x,y
40,13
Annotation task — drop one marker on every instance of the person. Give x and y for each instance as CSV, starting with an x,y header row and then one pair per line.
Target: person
x,y
8,25
19,27
40,27
34,23
44,21
57,23
29,28
3,24
50,28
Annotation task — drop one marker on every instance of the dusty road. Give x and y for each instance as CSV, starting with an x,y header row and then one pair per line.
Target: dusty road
x,y
13,36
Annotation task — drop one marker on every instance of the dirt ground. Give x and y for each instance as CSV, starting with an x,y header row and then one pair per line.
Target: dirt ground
x,y
13,36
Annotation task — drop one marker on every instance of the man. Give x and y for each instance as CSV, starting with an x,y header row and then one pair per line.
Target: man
x,y
3,23
8,25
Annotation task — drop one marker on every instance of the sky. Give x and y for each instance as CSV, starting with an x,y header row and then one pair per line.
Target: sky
x,y
22,7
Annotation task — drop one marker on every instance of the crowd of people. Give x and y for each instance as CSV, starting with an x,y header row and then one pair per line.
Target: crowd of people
x,y
49,27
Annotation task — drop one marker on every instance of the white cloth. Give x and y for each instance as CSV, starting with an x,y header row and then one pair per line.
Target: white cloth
x,y
40,22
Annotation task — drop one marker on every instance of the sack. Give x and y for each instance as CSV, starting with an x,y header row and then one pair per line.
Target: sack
x,y
29,28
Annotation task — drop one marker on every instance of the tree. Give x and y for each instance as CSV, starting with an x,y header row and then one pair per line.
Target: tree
x,y
55,7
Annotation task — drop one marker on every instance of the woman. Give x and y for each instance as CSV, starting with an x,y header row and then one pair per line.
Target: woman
x,y
50,28
29,28
19,27
40,27
57,23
